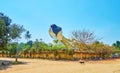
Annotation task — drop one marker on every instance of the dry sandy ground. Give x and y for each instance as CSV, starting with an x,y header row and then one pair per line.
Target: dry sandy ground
x,y
48,66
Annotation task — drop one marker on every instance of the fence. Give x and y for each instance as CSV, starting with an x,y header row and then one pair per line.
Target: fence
x,y
76,55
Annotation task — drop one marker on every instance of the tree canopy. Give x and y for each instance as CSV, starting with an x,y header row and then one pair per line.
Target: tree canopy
x,y
8,31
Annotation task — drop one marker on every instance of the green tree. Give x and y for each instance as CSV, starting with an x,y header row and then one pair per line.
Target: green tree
x,y
117,44
26,49
30,43
4,31
36,48
117,47
27,35
21,46
12,49
15,34
16,31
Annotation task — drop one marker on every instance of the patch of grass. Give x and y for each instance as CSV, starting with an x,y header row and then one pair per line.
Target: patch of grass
x,y
16,63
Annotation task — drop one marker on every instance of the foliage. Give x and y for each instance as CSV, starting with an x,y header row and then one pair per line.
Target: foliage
x,y
26,49
15,31
117,47
82,40
8,31
27,35
4,30
21,46
102,49
12,48
16,63
117,44
30,43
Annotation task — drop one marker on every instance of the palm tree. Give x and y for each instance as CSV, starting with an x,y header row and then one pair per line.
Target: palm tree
x,y
27,35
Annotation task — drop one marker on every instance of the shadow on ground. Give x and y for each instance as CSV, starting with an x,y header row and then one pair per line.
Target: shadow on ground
x,y
5,64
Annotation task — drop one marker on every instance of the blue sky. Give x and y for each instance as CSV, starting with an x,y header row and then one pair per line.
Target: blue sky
x,y
100,16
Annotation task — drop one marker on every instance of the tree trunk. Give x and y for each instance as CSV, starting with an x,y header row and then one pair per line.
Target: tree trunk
x,y
81,55
16,59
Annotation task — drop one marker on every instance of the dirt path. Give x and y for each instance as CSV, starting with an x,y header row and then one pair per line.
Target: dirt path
x,y
47,66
